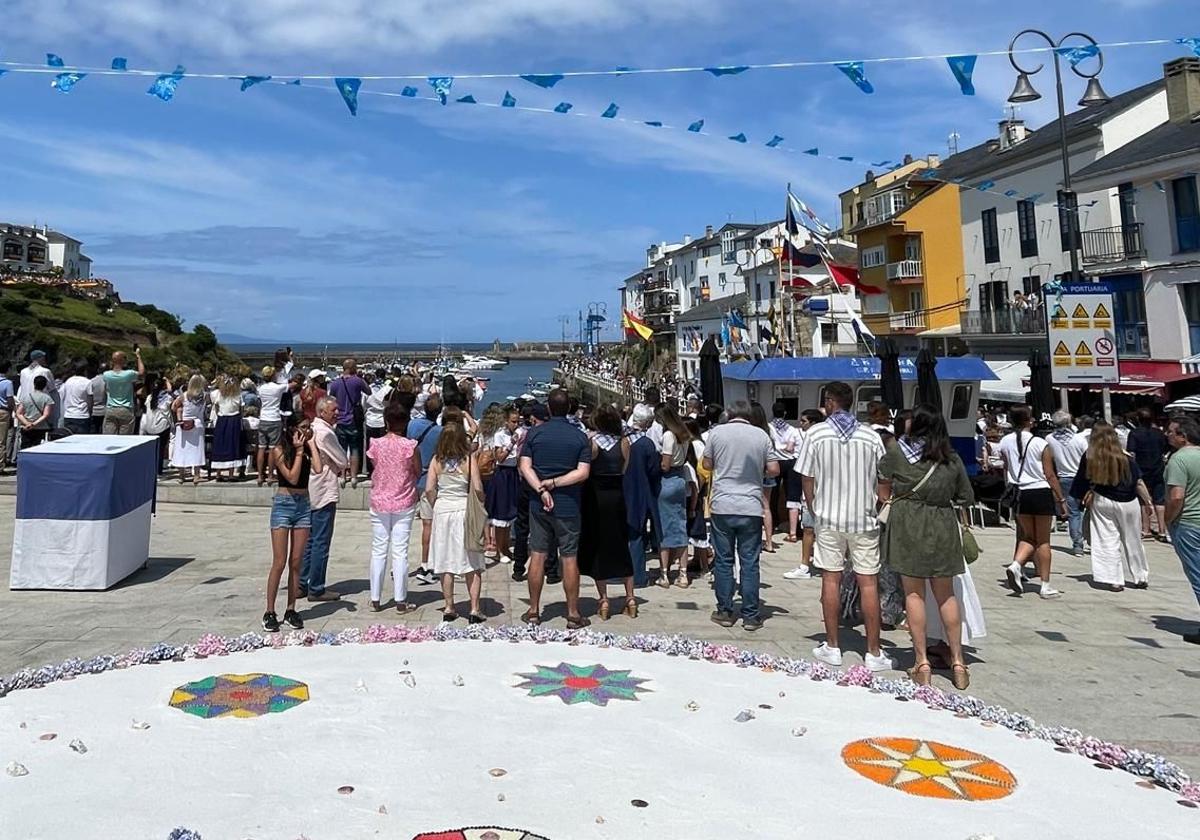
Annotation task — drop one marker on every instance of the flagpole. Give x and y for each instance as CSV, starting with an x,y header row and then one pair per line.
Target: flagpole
x,y
788,347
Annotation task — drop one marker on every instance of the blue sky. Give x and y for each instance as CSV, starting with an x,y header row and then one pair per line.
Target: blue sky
x,y
274,213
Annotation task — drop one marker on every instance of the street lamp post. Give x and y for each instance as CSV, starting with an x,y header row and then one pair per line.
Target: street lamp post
x,y
1093,95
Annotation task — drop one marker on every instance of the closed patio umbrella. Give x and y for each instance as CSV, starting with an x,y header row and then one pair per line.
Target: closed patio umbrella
x,y
891,386
711,386
1041,388
928,390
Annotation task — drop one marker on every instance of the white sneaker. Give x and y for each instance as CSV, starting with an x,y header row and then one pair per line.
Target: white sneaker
x,y
504,558
882,662
828,655
798,573
1049,593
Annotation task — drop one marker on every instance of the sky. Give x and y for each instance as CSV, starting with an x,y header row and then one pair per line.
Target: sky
x,y
273,213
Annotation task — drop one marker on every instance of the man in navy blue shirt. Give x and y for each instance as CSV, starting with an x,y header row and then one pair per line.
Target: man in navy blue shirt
x,y
426,431
555,461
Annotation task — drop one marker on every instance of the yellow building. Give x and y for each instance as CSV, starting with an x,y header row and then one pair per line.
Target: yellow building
x,y
909,236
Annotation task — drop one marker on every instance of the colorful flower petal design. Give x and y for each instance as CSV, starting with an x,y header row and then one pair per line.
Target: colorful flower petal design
x,y
239,695
582,684
481,833
929,769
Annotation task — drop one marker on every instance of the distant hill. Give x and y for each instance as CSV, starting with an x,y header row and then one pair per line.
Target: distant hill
x,y
237,338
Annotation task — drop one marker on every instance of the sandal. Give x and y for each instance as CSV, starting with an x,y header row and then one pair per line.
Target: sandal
x,y
531,618
960,675
921,674
476,618
577,622
663,581
405,607
375,607
630,608
604,611
791,538
683,581
449,616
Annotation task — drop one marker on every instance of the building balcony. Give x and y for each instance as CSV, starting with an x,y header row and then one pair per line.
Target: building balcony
x,y
906,322
1004,322
1113,244
905,271
656,285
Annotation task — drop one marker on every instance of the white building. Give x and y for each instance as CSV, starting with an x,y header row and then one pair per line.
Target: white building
x,y
1015,238
1153,254
34,250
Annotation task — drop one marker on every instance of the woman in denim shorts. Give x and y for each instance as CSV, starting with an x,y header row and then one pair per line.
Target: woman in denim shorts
x,y
296,455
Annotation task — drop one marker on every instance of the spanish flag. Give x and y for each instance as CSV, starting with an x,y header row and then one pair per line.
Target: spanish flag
x,y
634,325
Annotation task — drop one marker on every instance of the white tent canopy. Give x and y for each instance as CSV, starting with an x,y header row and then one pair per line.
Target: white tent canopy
x,y
1011,385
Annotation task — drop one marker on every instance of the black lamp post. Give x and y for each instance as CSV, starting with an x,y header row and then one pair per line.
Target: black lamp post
x,y
1092,96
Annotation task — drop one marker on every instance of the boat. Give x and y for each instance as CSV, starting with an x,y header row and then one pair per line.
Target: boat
x,y
471,362
539,392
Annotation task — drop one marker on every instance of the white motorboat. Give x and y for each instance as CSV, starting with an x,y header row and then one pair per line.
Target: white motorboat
x,y
471,362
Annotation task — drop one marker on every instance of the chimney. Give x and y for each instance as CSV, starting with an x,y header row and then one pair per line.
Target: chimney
x,y
708,231
907,160
934,161
1183,89
687,239
870,176
1012,132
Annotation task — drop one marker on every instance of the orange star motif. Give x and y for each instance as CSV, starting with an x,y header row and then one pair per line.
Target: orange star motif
x,y
929,769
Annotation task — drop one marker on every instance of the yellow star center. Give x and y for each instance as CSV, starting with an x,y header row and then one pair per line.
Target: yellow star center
x,y
927,767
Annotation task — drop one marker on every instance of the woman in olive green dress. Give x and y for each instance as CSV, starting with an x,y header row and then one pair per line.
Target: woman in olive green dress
x,y
926,481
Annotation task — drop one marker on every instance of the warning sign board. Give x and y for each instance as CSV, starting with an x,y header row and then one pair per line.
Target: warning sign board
x,y
1080,336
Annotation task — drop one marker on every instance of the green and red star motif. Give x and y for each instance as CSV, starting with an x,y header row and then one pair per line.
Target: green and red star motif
x,y
575,684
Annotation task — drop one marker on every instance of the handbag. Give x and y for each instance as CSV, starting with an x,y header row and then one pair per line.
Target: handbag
x,y
1011,497
475,538
970,545
886,510
187,425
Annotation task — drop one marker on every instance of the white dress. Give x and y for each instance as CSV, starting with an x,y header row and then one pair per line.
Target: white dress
x,y
969,607
447,545
189,444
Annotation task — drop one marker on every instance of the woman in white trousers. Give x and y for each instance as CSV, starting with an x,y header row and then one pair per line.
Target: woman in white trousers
x,y
397,464
1109,485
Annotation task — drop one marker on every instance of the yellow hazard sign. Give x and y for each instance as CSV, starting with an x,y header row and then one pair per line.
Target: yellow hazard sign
x,y
1083,355
1102,317
1062,350
1080,318
1058,318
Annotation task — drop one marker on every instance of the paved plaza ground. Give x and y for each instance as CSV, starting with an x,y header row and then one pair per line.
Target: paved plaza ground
x,y
1111,665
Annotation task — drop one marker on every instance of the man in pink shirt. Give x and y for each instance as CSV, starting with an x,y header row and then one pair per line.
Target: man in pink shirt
x,y
323,489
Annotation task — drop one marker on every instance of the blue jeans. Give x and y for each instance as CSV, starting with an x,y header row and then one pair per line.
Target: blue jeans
x,y
743,533
1074,513
316,551
1186,539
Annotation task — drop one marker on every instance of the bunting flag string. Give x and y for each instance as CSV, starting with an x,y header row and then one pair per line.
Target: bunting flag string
x,y
962,66
856,73
165,84
349,91
1074,55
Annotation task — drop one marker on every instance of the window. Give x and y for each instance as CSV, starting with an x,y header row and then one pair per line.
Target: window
x,y
991,236
829,334
1190,294
885,205
1129,301
35,253
13,250
859,208
789,395
1027,228
916,300
1068,219
728,246
771,286
721,279
1031,285
1126,196
757,293
960,403
912,248
1187,214
866,393
872,257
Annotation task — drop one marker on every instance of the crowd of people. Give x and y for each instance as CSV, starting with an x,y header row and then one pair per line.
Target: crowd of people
x,y
559,493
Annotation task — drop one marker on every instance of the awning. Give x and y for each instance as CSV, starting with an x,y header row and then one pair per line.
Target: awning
x,y
1158,373
942,332
1010,386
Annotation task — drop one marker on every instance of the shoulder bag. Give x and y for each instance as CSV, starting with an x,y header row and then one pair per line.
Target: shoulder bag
x,y
1011,498
886,510
475,538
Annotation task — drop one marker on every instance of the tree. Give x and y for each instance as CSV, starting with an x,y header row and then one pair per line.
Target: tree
x,y
202,341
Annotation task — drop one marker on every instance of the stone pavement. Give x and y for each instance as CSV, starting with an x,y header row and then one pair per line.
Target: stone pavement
x,y
1112,665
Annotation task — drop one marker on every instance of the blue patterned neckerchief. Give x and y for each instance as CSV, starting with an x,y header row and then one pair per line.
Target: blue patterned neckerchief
x,y
913,448
844,423
780,425
606,442
1064,433
451,464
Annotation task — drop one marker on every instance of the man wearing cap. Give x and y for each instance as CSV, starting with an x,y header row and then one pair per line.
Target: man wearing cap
x,y
311,393
32,371
119,385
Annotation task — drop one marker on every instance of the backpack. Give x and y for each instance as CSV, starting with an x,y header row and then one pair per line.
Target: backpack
x,y
485,458
157,420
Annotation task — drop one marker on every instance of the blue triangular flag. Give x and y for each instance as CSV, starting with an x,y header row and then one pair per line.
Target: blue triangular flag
x,y
888,163
53,61
962,66
1074,55
65,81
466,100
654,123
813,151
563,107
250,81
118,63
545,80
348,88
1194,43
696,126
856,72
509,101
408,90
165,84
984,186
441,86
295,82
845,157
774,141
727,71
738,138
623,70
610,111
1011,193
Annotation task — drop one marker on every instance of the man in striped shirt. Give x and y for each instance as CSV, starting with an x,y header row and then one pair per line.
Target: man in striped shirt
x,y
839,461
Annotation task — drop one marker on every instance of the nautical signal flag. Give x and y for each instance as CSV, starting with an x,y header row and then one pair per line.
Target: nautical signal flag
x,y
795,258
635,326
844,275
